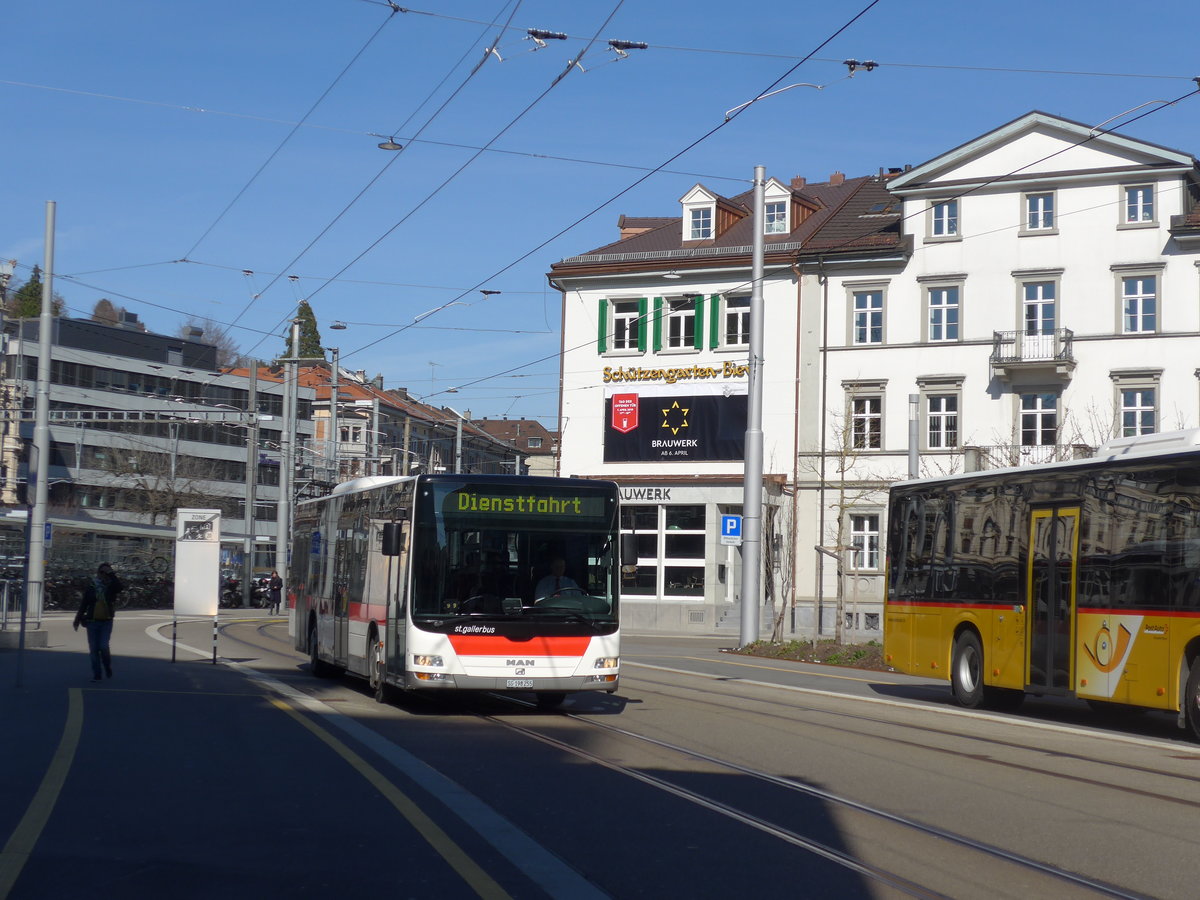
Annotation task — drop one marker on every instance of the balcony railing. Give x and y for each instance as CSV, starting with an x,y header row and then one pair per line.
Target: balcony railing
x,y
1016,351
977,459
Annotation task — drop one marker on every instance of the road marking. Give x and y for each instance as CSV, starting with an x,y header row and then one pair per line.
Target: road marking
x,y
555,877
458,860
1015,721
25,837
792,669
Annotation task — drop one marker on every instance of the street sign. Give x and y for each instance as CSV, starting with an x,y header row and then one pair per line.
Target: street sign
x,y
731,531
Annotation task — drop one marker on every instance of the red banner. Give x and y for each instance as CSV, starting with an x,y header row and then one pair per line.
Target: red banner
x,y
625,412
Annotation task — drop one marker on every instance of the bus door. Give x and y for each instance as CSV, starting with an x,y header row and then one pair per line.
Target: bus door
x,y
1050,589
396,567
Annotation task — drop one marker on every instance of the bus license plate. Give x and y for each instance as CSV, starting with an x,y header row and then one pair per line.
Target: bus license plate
x,y
519,683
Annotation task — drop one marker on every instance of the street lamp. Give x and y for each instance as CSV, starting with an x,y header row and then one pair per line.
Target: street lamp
x,y
752,477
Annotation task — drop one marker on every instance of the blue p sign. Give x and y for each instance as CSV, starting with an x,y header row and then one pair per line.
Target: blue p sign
x,y
731,526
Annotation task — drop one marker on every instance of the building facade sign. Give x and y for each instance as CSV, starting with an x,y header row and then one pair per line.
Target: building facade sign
x,y
653,425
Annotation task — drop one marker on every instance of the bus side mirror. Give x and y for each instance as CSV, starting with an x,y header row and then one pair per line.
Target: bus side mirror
x,y
629,550
393,539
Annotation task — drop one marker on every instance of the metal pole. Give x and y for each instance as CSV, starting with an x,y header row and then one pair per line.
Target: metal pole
x,y
334,436
283,525
35,574
458,443
914,466
251,485
374,442
752,479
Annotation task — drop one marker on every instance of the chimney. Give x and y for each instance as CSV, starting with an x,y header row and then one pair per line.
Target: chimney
x,y
799,182
837,178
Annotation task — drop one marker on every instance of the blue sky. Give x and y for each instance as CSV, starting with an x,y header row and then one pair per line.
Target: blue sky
x,y
184,144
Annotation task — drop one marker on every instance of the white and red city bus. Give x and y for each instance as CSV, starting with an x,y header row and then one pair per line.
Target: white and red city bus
x,y
448,582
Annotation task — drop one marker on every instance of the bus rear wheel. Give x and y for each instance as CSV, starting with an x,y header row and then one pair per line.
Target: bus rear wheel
x,y
966,670
1191,700
316,665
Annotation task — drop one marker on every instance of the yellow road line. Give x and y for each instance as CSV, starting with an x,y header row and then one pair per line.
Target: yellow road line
x,y
786,669
25,837
470,871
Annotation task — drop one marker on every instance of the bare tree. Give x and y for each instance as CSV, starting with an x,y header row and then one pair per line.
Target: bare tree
x,y
228,352
157,484
846,455
105,312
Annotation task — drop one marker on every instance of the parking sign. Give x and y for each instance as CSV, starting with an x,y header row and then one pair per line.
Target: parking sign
x,y
731,531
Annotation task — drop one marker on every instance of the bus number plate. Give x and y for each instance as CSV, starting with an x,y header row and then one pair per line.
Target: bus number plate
x,y
519,683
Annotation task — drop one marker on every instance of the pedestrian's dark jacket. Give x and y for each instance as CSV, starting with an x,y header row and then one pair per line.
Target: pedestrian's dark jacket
x,y
87,608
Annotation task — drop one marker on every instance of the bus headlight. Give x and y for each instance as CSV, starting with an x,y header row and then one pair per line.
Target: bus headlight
x,y
606,662
427,660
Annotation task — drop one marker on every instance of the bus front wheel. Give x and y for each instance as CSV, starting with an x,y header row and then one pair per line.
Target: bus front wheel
x,y
966,670
1191,700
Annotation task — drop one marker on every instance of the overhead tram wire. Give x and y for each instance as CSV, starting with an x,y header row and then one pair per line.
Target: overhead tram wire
x,y
761,54
571,65
629,187
391,160
270,158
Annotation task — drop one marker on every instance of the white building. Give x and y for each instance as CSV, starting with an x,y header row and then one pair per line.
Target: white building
x,y
1035,290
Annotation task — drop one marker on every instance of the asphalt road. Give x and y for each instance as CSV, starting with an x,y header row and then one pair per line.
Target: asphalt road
x,y
706,775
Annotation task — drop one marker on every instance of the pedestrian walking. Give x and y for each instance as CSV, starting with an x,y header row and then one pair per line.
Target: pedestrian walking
x,y
96,614
275,589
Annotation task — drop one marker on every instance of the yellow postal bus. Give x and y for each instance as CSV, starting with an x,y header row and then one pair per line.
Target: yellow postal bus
x,y
1076,579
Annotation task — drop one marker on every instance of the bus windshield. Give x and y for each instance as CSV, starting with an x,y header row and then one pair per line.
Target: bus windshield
x,y
487,549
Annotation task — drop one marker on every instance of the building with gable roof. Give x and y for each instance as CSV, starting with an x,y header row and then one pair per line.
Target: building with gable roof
x,y
1020,298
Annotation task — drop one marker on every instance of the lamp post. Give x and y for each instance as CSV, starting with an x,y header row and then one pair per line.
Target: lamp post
x,y
334,436
251,484
752,478
283,526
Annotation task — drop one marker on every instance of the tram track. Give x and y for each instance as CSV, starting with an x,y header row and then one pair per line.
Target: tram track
x,y
924,731
772,813
1042,873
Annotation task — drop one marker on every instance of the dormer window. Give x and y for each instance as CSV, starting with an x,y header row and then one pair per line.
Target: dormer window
x,y
701,221
776,216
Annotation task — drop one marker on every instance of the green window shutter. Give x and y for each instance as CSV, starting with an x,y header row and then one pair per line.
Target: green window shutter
x,y
714,321
602,341
658,305
698,333
643,325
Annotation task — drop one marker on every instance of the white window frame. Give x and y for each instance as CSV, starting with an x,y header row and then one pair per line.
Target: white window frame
x,y
700,223
942,311
630,317
867,316
775,217
737,315
944,423
1040,301
1040,216
534,443
865,529
1139,307
1130,390
1139,205
1040,413
945,220
677,313
865,410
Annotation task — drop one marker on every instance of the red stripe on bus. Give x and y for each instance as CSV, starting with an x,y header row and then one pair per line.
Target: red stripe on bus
x,y
499,645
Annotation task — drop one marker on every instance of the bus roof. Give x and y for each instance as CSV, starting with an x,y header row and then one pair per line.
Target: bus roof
x,y
1145,446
